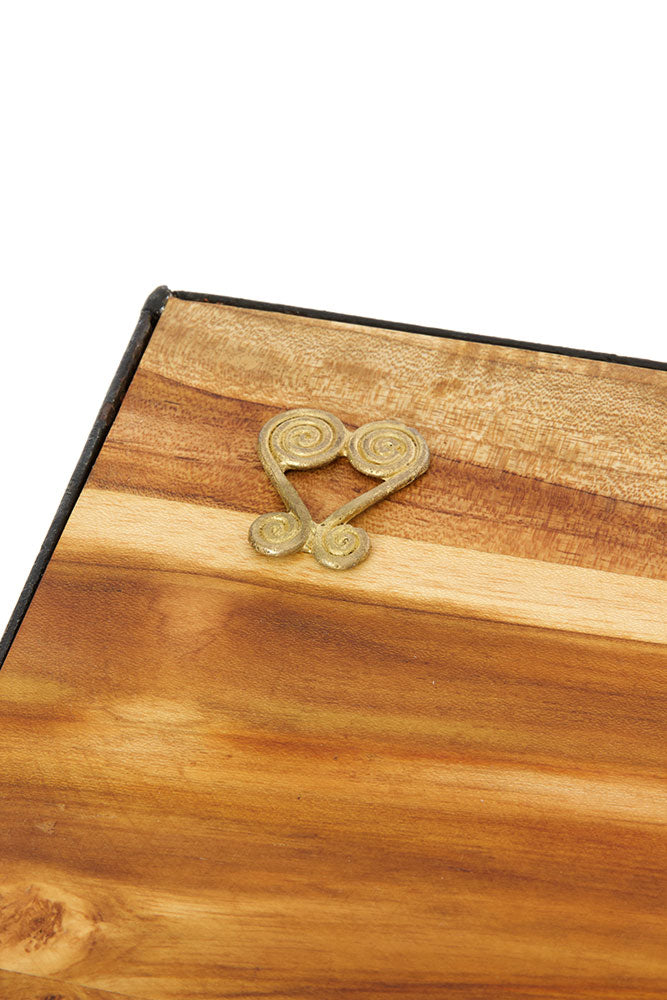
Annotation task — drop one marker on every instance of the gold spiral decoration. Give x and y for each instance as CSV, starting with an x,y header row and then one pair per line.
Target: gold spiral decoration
x,y
340,546
385,448
306,439
278,534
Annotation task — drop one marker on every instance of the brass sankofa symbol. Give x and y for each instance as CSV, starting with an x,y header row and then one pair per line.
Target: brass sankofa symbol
x,y
308,439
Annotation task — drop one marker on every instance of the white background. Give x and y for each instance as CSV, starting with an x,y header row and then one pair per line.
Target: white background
x,y
492,167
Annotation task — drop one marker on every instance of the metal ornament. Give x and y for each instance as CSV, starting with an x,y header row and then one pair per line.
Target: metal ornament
x,y
308,439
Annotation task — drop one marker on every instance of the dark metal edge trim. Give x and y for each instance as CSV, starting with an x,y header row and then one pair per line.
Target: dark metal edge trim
x,y
120,383
570,352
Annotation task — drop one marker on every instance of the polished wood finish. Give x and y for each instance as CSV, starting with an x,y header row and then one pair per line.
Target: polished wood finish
x,y
437,774
18,986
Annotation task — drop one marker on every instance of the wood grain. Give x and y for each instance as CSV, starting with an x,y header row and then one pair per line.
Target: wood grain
x,y
156,534
18,986
176,442
538,455
438,775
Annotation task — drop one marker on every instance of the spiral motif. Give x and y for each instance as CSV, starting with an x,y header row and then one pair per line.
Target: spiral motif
x,y
340,546
385,447
277,534
306,439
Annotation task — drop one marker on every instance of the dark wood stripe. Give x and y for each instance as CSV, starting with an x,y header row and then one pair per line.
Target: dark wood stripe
x,y
178,442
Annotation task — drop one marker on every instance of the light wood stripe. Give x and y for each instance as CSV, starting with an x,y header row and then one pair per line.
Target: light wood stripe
x,y
120,529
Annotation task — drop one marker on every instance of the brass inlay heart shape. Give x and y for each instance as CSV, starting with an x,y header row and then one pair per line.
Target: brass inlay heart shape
x,y
307,439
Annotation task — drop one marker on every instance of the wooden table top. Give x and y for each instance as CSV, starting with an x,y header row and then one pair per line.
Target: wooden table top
x,y
438,774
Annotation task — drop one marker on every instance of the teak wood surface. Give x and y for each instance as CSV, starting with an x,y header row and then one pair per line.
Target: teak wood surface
x,y
439,774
